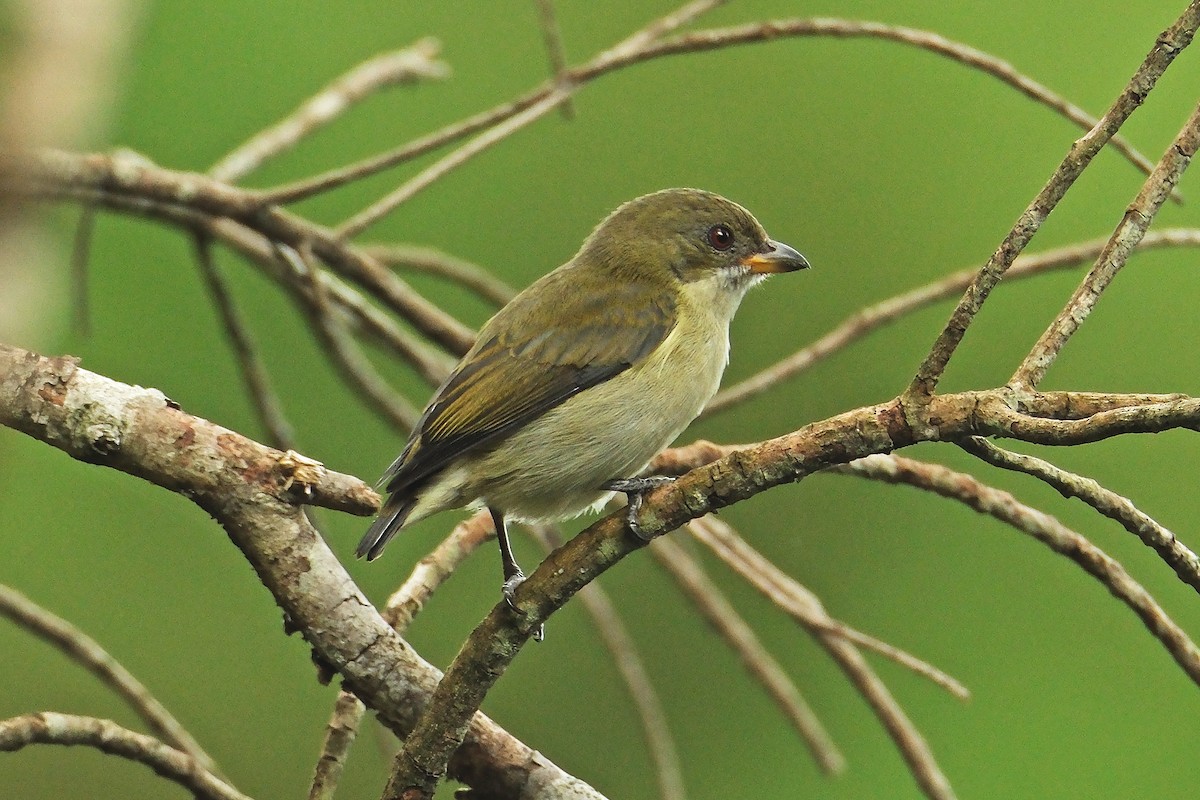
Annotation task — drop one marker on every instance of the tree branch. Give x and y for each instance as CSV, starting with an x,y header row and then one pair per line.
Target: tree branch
x,y
738,635
408,65
873,317
1047,530
738,475
1168,45
241,484
1112,505
1129,232
88,653
109,737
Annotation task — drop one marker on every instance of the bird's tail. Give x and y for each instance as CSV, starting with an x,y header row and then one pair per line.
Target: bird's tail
x,y
391,519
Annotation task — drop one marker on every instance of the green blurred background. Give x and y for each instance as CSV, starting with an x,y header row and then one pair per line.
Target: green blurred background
x,y
886,166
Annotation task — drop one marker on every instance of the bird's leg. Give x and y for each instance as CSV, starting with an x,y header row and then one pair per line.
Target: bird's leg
x,y
513,576
634,489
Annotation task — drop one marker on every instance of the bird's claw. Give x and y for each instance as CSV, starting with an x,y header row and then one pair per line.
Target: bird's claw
x,y
509,590
635,489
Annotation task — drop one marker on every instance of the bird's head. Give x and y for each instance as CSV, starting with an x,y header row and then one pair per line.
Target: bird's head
x,y
687,236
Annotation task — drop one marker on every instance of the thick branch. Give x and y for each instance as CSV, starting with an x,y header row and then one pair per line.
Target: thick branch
x,y
239,482
736,476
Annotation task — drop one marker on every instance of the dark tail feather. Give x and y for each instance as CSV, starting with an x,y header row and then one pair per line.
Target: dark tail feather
x,y
391,519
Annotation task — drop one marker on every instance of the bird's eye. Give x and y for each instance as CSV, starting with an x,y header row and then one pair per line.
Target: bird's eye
x,y
720,237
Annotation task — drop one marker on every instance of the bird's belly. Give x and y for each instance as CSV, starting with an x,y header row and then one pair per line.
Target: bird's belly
x,y
609,431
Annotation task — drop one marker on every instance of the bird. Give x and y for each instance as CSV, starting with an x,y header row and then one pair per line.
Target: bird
x,y
582,378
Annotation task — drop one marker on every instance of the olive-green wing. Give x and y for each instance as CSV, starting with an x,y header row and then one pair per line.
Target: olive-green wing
x,y
570,341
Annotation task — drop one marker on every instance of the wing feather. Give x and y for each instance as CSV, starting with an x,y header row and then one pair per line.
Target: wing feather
x,y
505,382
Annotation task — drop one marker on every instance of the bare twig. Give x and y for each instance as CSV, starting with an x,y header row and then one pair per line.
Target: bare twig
x,y
1166,47
88,653
433,570
473,124
434,262
430,364
644,46
1178,556
552,37
133,181
340,733
807,609
628,660
335,178
109,737
343,350
873,317
1047,530
434,172
411,64
1128,233
1032,424
254,372
762,666
559,94
1003,71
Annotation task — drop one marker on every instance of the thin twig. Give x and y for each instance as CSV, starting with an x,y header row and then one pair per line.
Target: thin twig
x,y
340,732
433,570
344,352
643,46
432,261
758,661
254,372
552,37
558,94
435,171
1003,71
1166,47
483,120
341,176
105,178
628,660
432,365
1128,233
109,737
1178,556
411,64
1046,529
804,606
873,317
88,653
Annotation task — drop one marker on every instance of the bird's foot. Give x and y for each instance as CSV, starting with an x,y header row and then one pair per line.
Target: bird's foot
x,y
634,489
509,590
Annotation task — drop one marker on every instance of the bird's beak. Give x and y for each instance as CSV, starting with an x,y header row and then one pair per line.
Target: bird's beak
x,y
780,258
